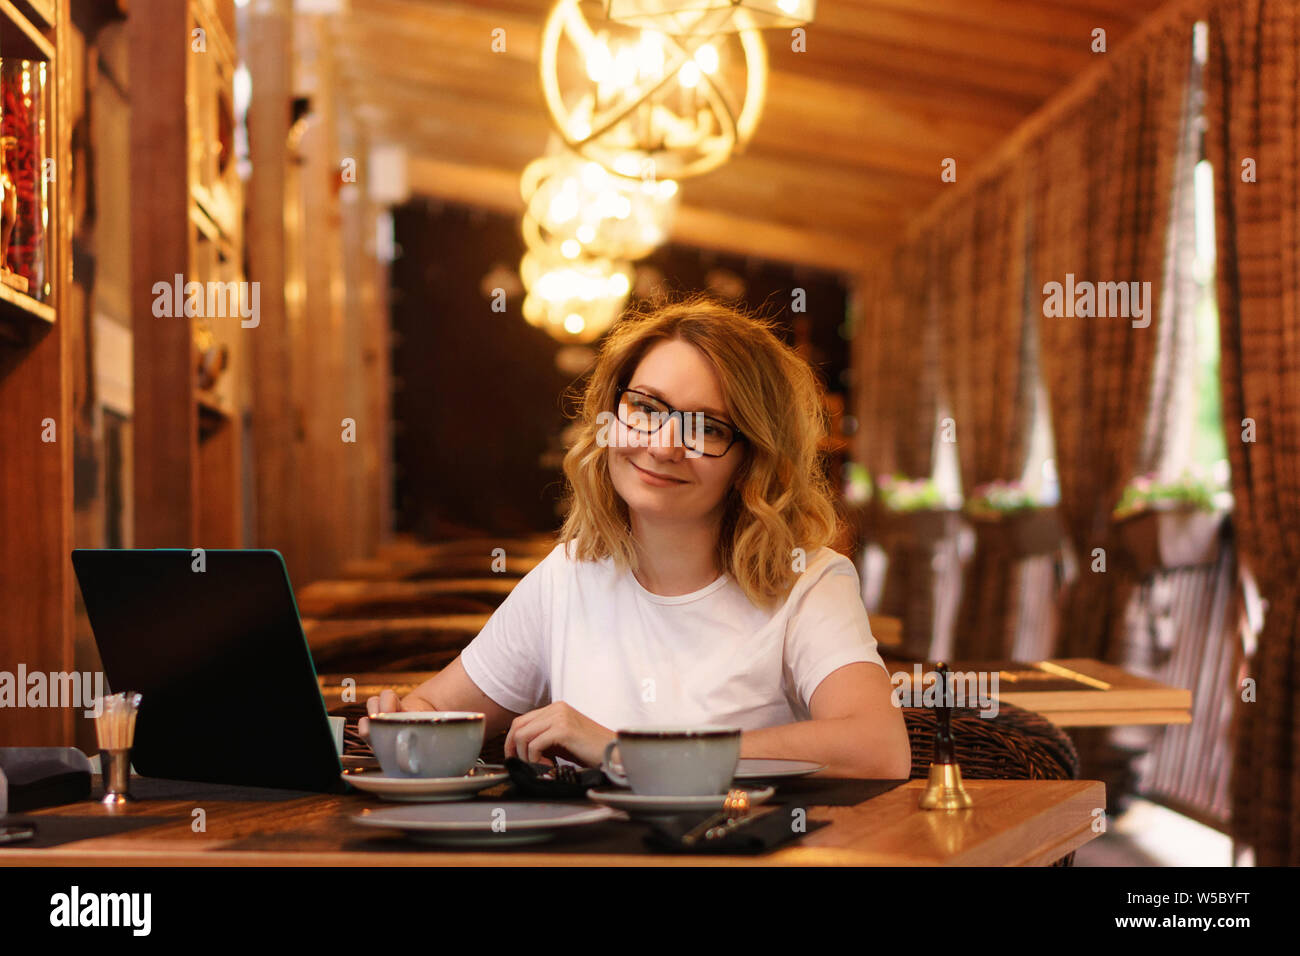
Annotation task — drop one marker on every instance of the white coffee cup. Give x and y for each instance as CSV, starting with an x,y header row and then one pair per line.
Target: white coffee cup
x,y
337,726
675,761
427,743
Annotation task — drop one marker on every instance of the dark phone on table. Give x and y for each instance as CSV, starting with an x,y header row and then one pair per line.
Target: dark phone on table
x,y
13,834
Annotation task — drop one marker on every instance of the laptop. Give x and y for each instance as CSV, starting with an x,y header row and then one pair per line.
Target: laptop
x,y
228,688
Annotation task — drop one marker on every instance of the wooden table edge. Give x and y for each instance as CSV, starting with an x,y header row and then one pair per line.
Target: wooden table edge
x,y
83,854
1116,718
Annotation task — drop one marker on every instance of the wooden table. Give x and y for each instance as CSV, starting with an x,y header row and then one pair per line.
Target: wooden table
x,y
1014,823
1077,691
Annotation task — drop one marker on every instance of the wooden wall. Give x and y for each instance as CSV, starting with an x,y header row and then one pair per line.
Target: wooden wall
x,y
320,354
100,319
140,457
36,472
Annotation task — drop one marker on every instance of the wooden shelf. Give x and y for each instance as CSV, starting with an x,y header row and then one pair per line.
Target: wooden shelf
x,y
15,304
21,38
26,41
39,12
209,228
214,213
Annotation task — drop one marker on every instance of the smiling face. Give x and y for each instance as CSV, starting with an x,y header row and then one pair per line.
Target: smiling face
x,y
660,480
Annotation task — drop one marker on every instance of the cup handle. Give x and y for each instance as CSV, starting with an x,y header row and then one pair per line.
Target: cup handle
x,y
407,760
607,766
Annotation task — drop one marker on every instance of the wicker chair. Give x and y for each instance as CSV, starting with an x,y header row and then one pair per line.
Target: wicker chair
x,y
1017,744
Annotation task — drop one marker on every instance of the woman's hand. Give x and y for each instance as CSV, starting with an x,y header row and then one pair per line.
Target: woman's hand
x,y
557,730
386,703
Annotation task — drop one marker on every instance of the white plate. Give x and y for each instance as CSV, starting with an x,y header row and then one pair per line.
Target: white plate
x,y
483,822
424,789
637,804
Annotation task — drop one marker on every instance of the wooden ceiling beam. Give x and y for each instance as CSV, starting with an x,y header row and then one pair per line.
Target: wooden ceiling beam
x,y
434,43
498,189
853,132
802,118
1041,21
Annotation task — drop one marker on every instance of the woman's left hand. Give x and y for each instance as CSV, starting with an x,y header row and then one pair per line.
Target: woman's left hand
x,y
557,730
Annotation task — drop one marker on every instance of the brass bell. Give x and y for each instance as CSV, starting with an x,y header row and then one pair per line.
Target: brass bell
x,y
943,788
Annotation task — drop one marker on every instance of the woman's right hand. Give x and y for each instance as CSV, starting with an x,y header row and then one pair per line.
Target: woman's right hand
x,y
387,702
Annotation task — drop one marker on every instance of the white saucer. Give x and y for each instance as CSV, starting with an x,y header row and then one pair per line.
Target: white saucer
x,y
637,804
764,768
424,789
483,822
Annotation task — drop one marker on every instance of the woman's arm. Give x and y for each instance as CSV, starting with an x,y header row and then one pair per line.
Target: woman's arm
x,y
449,689
854,729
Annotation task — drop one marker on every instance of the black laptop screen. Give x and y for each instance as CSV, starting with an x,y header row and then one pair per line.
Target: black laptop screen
x,y
229,690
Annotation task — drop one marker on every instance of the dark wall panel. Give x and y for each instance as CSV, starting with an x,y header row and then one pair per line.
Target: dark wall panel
x,y
477,396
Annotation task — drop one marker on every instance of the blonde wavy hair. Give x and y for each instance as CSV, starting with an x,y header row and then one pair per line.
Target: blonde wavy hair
x,y
780,499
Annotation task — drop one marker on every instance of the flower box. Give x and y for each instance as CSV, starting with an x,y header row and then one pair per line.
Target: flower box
x,y
1024,532
1162,538
920,528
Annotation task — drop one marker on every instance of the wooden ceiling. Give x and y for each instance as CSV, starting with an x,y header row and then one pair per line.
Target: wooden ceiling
x,y
850,144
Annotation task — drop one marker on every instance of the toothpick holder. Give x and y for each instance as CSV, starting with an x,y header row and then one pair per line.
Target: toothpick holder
x,y
115,765
115,731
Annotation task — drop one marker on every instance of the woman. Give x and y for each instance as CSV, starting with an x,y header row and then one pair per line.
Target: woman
x,y
692,582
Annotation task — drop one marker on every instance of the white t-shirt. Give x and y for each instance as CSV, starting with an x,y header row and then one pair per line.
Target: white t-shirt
x,y
595,638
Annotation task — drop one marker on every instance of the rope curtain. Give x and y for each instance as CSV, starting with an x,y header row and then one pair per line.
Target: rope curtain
x,y
902,402
896,377
1173,387
872,444
1104,178
914,371
1253,106
1094,189
982,278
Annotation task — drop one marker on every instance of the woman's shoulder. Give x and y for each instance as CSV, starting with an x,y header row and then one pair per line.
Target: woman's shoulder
x,y
827,560
820,569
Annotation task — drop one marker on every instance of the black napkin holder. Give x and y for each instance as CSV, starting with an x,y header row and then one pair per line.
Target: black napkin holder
x,y
769,830
34,777
529,780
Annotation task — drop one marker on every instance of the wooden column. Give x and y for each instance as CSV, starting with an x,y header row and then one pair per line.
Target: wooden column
x,y
267,49
166,419
366,353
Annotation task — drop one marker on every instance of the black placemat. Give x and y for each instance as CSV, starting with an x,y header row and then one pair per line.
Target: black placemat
x,y
156,788
829,791
623,837
55,830
92,820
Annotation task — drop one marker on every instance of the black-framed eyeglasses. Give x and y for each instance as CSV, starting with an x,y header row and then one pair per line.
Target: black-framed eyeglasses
x,y
700,433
